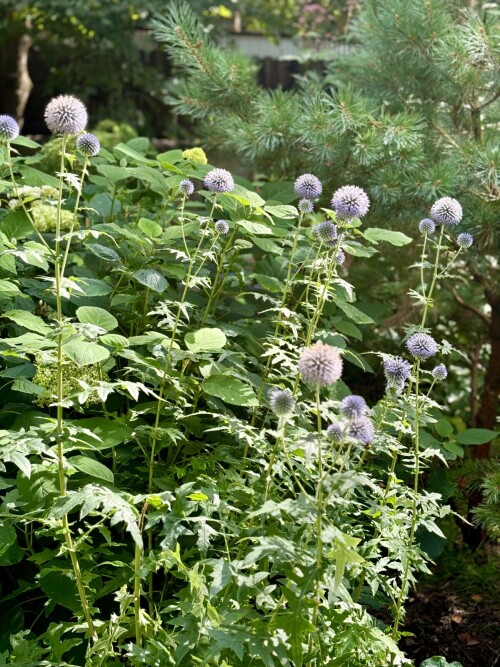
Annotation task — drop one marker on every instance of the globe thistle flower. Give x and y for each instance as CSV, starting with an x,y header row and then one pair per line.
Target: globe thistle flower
x,y
305,206
186,187
465,240
336,431
308,186
353,407
320,364
66,115
397,371
421,345
350,202
447,211
221,227
326,232
282,402
427,226
340,257
196,155
88,144
9,129
362,430
440,372
219,180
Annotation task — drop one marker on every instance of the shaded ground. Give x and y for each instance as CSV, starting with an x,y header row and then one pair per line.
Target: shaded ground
x,y
457,615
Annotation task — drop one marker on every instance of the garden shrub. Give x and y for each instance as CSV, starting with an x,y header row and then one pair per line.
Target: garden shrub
x,y
191,480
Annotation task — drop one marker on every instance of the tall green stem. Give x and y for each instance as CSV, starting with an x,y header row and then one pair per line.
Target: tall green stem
x,y
428,298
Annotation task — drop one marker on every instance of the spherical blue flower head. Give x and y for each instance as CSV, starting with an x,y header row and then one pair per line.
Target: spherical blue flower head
x,y
427,226
440,372
340,257
421,345
9,129
336,431
350,202
320,364
221,227
66,115
88,144
326,232
362,430
186,186
447,211
282,402
353,407
305,206
465,240
308,186
397,369
219,180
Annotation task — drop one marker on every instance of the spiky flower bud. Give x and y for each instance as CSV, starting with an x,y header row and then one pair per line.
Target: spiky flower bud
x,y
282,402
305,206
88,144
326,232
362,430
221,227
350,202
336,431
219,180
427,226
186,187
340,257
440,372
320,364
308,186
196,155
66,115
421,345
353,407
447,211
9,129
396,371
465,240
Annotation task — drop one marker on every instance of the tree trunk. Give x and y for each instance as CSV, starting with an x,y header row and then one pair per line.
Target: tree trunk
x,y
16,84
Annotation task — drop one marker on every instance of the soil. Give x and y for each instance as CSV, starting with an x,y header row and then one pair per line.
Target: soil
x,y
459,625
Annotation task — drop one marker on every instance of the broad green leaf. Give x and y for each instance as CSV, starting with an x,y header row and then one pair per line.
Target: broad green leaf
x,y
37,178
24,141
113,172
476,436
91,286
354,313
109,432
282,211
97,316
114,340
436,661
29,321
60,587
205,340
7,536
16,225
349,329
230,390
8,289
151,176
152,279
269,283
91,467
255,228
150,228
84,353
26,386
443,428
267,245
376,234
130,152
103,252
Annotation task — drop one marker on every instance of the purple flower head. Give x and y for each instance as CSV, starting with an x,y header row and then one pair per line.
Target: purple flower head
x,y
9,129
362,430
320,364
421,345
66,115
447,211
88,144
336,431
353,407
305,206
326,232
350,202
221,227
340,257
427,226
396,371
465,240
282,402
308,186
440,372
219,180
186,186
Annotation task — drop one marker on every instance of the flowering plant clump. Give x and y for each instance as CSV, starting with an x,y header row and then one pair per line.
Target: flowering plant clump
x,y
189,473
